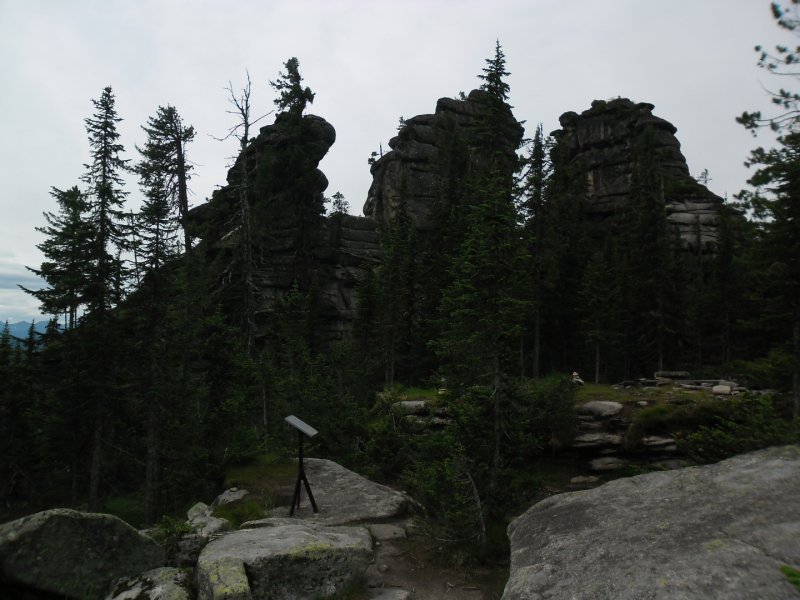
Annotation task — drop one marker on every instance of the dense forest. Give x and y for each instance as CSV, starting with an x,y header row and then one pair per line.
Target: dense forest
x,y
169,358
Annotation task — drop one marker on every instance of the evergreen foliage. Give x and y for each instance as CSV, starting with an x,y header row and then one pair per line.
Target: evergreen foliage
x,y
68,251
164,170
105,201
292,96
494,74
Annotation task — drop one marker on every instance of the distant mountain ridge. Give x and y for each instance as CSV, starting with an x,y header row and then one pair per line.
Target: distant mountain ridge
x,y
20,329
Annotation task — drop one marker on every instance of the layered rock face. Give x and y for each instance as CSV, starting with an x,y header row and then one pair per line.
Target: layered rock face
x,y
719,531
291,242
602,142
430,151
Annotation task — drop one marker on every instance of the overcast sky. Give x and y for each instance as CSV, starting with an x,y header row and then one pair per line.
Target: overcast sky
x,y
369,63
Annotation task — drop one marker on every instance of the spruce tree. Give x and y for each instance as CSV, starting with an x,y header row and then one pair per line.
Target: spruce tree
x,y
105,201
776,202
68,253
106,278
495,73
164,163
292,96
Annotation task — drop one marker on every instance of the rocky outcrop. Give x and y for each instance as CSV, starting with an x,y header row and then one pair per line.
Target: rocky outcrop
x,y
429,151
344,497
74,554
292,242
719,531
203,526
285,559
601,143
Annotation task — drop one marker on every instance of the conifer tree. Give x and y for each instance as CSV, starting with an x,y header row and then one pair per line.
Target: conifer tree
x,y
105,201
164,163
68,253
292,96
777,203
495,73
106,277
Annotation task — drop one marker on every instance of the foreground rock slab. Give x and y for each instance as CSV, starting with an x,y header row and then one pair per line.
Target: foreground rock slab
x,y
713,532
74,554
283,559
344,497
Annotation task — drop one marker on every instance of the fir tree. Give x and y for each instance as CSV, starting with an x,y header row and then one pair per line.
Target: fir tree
x,y
164,164
494,75
777,202
105,201
292,96
68,253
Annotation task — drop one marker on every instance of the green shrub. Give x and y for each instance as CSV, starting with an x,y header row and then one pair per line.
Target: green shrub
x,y
793,575
241,511
168,532
750,423
673,418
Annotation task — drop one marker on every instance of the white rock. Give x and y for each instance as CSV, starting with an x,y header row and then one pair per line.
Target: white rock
x,y
600,408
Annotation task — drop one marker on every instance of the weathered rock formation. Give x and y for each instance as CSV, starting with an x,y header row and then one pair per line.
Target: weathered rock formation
x,y
601,143
291,241
719,531
345,497
285,559
73,554
431,151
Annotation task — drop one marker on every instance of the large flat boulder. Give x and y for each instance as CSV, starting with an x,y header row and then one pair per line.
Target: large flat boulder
x,y
72,553
283,559
713,532
343,496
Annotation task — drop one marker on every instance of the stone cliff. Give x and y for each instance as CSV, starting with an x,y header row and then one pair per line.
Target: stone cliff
x,y
601,143
431,151
292,242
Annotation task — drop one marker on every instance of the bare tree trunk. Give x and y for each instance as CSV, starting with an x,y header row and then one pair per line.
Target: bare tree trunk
x,y
183,194
537,329
152,465
96,464
796,371
597,361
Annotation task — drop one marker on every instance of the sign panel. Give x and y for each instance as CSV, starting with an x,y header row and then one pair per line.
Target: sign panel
x,y
301,426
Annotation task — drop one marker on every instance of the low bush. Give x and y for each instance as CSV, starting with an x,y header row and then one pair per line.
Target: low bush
x,y
749,423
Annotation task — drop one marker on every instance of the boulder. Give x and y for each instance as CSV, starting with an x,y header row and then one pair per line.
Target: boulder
x,y
166,583
74,554
344,497
600,408
713,532
204,526
284,559
228,496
